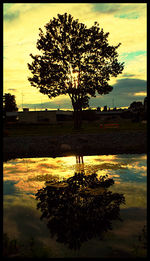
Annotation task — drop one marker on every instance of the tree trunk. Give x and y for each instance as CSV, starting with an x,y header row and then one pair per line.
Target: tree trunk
x,y
77,118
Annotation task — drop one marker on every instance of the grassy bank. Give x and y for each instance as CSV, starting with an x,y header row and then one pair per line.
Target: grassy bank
x,y
61,128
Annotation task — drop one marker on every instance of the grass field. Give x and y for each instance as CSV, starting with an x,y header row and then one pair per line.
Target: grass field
x,y
16,129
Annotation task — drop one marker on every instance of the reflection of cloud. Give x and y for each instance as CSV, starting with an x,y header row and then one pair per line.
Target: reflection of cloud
x,y
136,167
47,165
131,228
103,157
43,177
33,172
30,186
22,220
135,193
9,187
111,166
14,172
143,157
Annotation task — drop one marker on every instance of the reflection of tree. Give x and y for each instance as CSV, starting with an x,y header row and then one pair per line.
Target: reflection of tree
x,y
79,167
79,208
79,159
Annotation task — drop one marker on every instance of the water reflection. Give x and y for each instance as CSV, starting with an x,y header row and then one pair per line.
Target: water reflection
x,y
27,175
120,167
23,178
79,208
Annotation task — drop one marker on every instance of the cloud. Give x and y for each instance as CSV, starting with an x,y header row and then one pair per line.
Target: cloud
x,y
12,89
121,10
63,103
21,34
133,15
11,16
8,14
140,94
128,75
129,83
106,8
12,11
137,66
124,92
125,89
129,86
132,55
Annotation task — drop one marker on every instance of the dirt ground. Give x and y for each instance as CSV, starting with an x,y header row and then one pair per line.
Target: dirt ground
x,y
75,144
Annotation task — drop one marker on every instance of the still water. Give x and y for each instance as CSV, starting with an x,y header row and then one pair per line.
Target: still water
x,y
29,181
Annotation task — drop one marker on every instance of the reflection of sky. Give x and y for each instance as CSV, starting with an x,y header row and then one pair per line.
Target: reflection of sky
x,y
24,177
28,175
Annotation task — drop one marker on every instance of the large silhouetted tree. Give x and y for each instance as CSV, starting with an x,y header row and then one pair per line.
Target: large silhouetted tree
x,y
74,60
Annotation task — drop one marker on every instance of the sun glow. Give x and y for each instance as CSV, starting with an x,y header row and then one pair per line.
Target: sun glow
x,y
140,94
73,77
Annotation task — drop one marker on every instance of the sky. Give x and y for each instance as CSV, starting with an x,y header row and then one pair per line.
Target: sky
x,y
126,24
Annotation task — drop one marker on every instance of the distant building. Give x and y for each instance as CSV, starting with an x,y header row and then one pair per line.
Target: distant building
x,y
25,109
55,116
27,116
105,108
98,108
46,116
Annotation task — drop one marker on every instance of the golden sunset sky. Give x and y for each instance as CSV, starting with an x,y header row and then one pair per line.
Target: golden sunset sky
x,y
126,23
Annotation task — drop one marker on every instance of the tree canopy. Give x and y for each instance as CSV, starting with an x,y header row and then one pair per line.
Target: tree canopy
x,y
74,60
136,106
9,103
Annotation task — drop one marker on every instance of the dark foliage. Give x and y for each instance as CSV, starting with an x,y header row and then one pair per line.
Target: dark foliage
x,y
9,103
136,106
10,247
79,208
